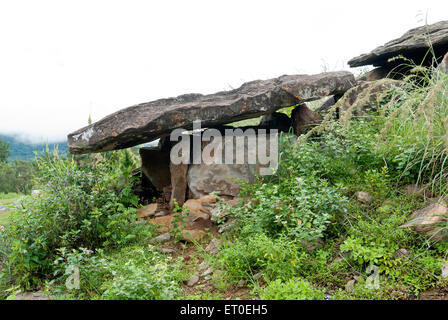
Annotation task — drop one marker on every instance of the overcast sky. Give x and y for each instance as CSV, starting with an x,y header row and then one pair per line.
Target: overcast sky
x,y
63,60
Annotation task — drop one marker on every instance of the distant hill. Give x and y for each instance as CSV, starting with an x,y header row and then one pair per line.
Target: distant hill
x,y
20,150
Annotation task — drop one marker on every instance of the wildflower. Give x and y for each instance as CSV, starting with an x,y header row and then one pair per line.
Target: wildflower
x,y
299,180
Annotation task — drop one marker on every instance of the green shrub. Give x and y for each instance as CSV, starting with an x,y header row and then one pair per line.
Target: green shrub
x,y
145,276
76,208
277,258
129,273
293,289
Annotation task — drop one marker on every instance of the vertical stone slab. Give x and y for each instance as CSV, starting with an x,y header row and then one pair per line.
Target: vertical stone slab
x,y
178,183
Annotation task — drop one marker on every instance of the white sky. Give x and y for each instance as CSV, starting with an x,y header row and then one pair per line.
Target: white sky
x,y
63,60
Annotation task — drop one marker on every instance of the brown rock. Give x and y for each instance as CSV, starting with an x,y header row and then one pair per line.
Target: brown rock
x,y
155,166
178,183
430,221
363,197
193,235
302,117
148,211
164,223
149,121
196,211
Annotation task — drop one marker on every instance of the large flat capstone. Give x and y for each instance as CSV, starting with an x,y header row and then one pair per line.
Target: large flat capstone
x,y
413,45
148,121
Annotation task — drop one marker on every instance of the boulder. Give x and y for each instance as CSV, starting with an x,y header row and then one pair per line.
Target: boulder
x,y
367,96
413,45
223,178
430,221
149,121
302,118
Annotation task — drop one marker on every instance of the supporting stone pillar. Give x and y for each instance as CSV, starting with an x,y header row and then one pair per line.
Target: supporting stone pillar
x,y
178,183
302,117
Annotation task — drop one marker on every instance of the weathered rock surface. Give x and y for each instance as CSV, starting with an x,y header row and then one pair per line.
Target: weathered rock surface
x,y
367,96
193,235
178,173
193,280
148,211
224,178
161,238
302,117
149,121
430,221
363,197
413,45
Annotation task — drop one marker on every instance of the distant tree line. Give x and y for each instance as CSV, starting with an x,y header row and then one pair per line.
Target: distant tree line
x,y
16,176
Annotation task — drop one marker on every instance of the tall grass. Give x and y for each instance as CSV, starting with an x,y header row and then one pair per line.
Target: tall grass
x,y
415,129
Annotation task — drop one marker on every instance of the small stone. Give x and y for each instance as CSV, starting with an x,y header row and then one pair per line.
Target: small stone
x,y
241,283
207,272
147,211
193,280
193,235
445,270
207,278
363,197
212,247
350,286
162,238
167,250
203,265
401,253
226,227
162,213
